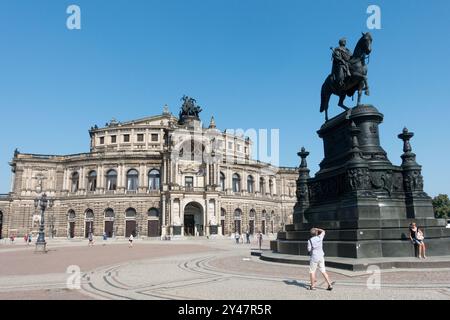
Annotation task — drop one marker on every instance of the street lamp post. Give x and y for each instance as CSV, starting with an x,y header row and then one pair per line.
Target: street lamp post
x,y
42,203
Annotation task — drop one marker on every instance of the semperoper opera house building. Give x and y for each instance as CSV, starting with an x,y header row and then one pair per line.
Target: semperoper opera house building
x,y
157,177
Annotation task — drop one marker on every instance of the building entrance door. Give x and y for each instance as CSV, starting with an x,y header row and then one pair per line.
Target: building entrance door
x,y
130,228
71,230
89,227
189,225
109,228
193,220
153,228
237,226
251,226
222,224
263,227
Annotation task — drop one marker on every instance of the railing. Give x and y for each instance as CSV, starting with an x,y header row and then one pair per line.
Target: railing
x,y
193,189
4,196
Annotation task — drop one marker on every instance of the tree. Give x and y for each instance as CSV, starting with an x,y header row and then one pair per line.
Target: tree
x,y
441,205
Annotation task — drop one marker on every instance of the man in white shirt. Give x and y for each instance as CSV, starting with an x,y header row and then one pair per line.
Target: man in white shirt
x,y
315,249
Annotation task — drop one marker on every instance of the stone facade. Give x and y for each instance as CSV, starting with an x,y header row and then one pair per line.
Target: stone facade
x,y
152,177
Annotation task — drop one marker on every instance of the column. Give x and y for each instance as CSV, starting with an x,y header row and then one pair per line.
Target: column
x,y
82,186
163,216
206,226
100,177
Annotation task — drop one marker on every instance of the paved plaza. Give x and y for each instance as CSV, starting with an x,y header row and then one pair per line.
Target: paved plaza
x,y
206,269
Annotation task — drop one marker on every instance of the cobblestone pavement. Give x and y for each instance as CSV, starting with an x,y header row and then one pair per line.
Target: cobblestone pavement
x,y
191,269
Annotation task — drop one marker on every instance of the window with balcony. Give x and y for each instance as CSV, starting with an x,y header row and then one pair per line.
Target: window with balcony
x,y
189,183
155,137
132,180
154,180
113,139
126,138
92,181
111,180
250,184
75,182
236,183
140,137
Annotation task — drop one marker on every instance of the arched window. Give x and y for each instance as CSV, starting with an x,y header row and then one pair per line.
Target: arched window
x,y
236,183
238,221
130,213
262,186
252,214
111,180
250,184
154,180
223,213
222,181
92,181
71,215
75,182
109,213
89,214
271,187
153,213
132,180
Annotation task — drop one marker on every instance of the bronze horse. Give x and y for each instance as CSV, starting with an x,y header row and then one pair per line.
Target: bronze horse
x,y
356,82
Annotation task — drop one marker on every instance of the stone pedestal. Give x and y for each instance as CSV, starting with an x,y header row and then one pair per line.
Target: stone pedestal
x,y
41,247
363,201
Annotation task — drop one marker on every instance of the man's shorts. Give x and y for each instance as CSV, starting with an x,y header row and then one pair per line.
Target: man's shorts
x,y
320,264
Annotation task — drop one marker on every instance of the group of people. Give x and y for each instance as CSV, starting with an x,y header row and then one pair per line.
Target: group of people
x,y
105,238
317,255
28,238
240,238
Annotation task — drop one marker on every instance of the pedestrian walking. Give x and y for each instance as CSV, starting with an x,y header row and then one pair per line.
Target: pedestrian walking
x,y
248,237
91,239
11,239
237,236
317,257
105,238
130,240
25,238
260,240
30,236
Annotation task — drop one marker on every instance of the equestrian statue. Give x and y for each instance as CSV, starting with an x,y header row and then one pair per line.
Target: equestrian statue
x,y
349,73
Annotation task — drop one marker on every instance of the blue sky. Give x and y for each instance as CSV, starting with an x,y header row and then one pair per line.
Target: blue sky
x,y
250,63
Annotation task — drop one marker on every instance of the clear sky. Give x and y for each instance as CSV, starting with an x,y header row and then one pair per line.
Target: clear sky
x,y
250,63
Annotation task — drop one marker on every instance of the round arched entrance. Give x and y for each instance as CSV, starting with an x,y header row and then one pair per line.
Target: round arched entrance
x,y
88,223
109,222
71,218
193,220
154,229
130,222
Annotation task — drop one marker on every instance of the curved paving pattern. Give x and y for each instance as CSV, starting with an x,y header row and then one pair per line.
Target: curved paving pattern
x,y
201,270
